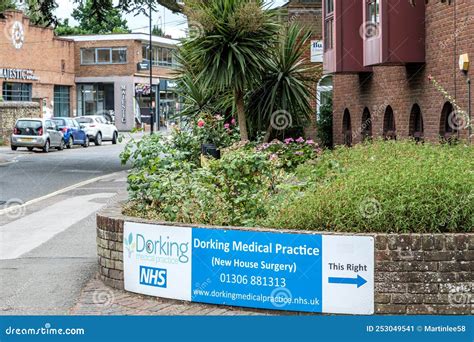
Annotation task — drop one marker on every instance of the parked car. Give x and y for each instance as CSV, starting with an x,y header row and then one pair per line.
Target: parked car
x,y
98,129
36,133
72,131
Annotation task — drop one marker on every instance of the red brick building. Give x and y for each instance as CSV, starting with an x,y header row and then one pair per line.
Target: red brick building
x,y
396,68
36,66
88,74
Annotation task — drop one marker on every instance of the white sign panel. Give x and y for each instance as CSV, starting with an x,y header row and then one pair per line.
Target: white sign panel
x,y
348,274
157,260
317,51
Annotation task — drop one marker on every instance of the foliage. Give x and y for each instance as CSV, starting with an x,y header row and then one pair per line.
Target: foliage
x,y
230,51
166,183
198,99
41,12
291,153
213,129
325,129
158,31
382,187
90,22
287,81
7,5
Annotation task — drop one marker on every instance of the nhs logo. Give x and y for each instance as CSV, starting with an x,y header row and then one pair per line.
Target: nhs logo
x,y
151,276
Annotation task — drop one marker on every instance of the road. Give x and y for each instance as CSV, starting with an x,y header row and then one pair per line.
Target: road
x,y
48,247
35,174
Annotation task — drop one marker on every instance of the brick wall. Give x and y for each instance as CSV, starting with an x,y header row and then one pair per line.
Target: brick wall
x,y
51,58
310,17
134,56
414,273
11,111
106,70
449,33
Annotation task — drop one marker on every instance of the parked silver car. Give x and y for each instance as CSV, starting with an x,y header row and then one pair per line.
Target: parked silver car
x,y
36,133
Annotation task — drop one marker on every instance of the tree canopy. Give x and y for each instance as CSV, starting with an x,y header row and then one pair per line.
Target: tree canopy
x,y
42,11
90,23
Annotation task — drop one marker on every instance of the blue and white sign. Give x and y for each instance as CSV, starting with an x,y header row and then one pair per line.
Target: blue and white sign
x,y
270,270
317,51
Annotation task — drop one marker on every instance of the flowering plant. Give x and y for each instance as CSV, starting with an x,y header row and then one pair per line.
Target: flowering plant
x,y
290,153
213,129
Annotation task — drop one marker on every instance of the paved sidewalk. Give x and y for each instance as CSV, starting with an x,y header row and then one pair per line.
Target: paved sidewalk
x,y
99,299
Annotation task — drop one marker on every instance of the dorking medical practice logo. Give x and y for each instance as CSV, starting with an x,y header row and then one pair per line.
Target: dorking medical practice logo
x,y
161,250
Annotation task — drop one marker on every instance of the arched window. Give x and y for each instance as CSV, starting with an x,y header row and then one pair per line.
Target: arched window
x,y
448,126
366,124
389,130
416,123
323,93
347,128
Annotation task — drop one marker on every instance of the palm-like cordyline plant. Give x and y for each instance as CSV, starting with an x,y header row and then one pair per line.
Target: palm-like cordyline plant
x,y
197,98
288,82
234,42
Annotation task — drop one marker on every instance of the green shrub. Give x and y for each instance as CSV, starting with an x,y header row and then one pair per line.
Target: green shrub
x,y
290,153
231,191
325,133
381,187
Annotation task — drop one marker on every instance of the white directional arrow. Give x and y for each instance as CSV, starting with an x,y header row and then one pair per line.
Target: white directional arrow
x,y
27,233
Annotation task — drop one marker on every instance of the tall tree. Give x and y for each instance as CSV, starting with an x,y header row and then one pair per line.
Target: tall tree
x,y
90,23
231,47
42,11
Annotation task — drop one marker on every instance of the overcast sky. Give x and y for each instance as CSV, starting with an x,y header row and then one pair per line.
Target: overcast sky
x,y
173,24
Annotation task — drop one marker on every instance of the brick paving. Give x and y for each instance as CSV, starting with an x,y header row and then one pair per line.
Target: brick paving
x,y
98,299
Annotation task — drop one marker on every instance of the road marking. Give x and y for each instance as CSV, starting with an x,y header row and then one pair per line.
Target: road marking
x,y
82,171
59,192
27,233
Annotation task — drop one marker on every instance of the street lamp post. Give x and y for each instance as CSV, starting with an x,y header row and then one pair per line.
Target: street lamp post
x,y
152,112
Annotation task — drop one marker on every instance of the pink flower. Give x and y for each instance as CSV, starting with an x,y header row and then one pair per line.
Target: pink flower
x,y
430,78
300,140
273,157
289,140
201,123
310,142
226,126
232,122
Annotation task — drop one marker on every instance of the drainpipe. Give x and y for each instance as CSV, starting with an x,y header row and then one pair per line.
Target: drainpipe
x,y
469,107
152,112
